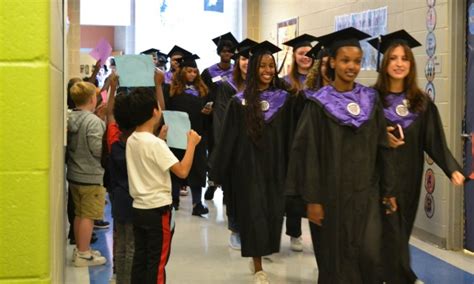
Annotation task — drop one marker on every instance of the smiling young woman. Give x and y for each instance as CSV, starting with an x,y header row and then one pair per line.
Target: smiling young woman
x,y
409,108
342,128
252,155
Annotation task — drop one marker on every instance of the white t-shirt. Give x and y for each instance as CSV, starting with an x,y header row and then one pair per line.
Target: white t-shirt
x,y
148,165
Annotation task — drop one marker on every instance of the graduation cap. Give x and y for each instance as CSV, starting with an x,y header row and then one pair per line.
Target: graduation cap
x,y
345,37
227,36
299,41
225,40
315,52
263,47
151,51
243,48
383,42
162,57
189,60
178,50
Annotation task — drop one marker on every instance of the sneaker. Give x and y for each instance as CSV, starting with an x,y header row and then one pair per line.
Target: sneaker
x,y
260,278
200,209
295,244
91,260
93,252
101,224
234,241
209,195
184,191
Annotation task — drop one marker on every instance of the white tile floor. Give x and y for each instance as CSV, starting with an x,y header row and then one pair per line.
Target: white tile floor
x,y
200,253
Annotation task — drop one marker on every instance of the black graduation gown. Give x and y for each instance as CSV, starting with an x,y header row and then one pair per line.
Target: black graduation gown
x,y
192,105
424,134
208,75
256,176
224,93
340,167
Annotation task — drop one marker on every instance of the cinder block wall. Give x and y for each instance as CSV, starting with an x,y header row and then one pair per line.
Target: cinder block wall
x,y
31,79
317,17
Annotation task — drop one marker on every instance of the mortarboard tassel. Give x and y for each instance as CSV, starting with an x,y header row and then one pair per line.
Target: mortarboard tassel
x,y
379,53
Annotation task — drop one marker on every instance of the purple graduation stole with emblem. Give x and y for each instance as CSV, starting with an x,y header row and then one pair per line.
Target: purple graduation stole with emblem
x,y
270,100
352,108
397,111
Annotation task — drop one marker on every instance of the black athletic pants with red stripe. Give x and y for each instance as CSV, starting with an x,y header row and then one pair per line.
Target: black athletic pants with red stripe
x,y
153,234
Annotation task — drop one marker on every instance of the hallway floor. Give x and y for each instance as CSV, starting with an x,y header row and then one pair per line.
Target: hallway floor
x,y
200,254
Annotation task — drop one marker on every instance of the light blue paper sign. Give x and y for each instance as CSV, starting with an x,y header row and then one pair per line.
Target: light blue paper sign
x,y
135,70
178,127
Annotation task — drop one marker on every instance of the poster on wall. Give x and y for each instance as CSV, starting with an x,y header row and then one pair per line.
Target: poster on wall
x,y
373,22
286,30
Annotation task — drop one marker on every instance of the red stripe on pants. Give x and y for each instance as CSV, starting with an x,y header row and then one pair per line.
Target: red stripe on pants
x,y
165,247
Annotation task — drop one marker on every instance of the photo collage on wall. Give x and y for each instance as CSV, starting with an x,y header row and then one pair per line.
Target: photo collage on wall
x,y
372,22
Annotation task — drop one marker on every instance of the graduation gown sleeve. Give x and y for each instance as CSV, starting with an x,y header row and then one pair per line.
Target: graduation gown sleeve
x,y
224,94
222,154
305,164
435,141
385,156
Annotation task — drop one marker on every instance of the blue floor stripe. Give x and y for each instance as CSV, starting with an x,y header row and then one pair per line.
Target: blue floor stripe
x,y
433,270
103,273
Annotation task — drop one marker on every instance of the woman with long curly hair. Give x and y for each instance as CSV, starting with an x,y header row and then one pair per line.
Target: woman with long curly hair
x,y
408,108
252,154
188,93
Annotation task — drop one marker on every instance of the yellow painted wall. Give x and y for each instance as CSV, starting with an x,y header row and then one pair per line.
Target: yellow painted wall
x,y
31,82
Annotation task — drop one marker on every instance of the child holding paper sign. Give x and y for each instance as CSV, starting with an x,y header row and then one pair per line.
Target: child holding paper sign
x,y
188,94
149,163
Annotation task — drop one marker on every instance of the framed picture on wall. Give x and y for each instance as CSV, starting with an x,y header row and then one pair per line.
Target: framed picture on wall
x,y
286,30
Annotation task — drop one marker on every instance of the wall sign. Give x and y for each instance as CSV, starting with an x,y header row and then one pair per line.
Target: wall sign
x,y
429,205
429,160
430,44
431,19
429,181
430,69
430,90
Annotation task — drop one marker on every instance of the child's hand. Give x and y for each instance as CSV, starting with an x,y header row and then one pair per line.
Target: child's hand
x,y
163,132
101,111
114,80
193,137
